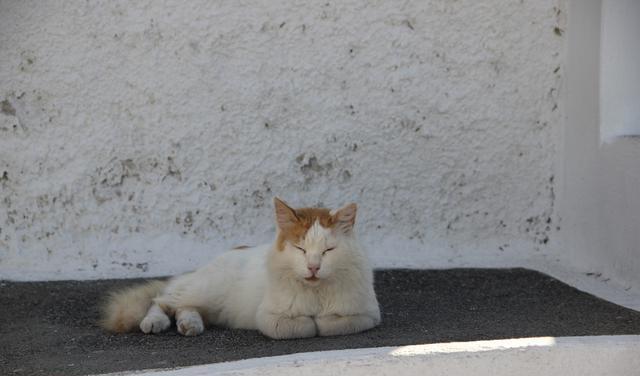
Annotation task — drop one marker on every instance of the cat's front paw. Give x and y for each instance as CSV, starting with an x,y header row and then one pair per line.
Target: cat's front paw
x,y
283,327
190,325
155,324
335,325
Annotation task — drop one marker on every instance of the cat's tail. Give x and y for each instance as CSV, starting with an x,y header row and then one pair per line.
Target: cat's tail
x,y
124,310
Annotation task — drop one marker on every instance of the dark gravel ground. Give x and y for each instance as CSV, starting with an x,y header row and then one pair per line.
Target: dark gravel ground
x,y
48,328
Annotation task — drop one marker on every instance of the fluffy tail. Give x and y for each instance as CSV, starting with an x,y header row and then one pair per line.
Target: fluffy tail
x,y
123,310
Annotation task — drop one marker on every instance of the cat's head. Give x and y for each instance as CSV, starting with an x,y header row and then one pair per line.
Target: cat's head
x,y
314,243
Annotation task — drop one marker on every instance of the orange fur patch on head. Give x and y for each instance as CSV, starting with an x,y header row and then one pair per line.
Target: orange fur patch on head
x,y
294,223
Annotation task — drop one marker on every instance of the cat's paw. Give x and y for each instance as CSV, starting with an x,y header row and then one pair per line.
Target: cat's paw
x,y
283,327
190,325
334,325
155,324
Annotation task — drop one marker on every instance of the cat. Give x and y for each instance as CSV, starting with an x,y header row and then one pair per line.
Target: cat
x,y
314,279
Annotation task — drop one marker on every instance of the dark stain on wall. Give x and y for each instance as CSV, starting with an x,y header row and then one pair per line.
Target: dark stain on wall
x,y
312,168
7,108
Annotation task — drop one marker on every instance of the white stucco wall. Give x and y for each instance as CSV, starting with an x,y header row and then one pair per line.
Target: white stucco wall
x,y
140,138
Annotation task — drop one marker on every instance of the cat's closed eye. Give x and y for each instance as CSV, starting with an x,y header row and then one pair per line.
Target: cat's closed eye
x,y
328,249
300,248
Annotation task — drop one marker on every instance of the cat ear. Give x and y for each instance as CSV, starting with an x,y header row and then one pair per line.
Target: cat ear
x,y
345,218
285,215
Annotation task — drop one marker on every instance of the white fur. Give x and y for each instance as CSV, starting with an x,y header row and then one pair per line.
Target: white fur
x,y
264,288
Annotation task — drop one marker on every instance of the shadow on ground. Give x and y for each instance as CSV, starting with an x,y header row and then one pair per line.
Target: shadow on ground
x,y
49,328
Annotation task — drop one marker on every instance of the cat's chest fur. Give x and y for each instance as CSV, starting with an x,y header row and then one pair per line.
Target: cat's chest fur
x,y
296,300
306,303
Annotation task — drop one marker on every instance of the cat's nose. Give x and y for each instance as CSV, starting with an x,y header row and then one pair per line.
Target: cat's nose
x,y
313,268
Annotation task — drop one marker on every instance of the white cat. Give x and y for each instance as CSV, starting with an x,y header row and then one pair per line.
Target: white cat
x,y
314,280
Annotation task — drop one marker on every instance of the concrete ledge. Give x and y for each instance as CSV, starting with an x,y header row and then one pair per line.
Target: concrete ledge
x,y
583,356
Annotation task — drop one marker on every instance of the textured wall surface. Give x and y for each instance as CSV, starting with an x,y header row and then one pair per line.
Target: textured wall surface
x,y
140,138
